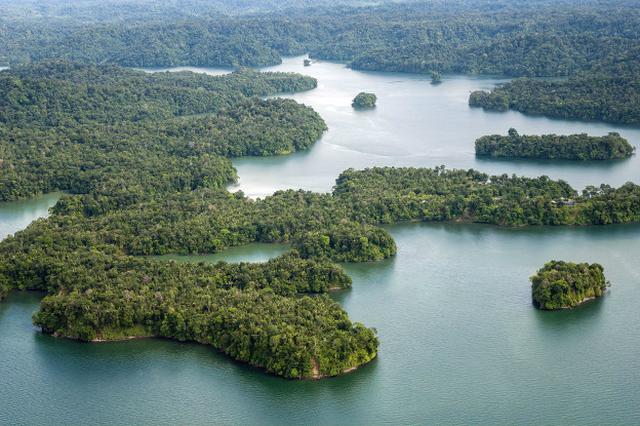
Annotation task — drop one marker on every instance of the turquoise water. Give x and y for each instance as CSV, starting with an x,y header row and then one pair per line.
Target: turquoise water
x,y
17,215
460,341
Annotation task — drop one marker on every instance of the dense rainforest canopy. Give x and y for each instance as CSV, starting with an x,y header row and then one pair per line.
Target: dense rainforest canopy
x,y
149,185
597,44
108,129
562,285
571,147
123,137
598,97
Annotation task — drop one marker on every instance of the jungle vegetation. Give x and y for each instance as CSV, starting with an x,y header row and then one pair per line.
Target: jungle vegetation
x,y
570,147
106,129
563,285
142,184
144,159
594,44
124,138
614,99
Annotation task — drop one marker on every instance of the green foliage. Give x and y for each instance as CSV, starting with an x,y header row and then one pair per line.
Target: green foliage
x,y
107,130
347,242
5,287
364,100
143,149
436,77
129,139
561,285
490,101
597,44
517,38
572,147
388,195
79,255
242,310
599,97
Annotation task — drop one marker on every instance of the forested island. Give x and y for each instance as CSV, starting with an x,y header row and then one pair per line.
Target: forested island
x,y
364,100
596,45
125,138
141,182
598,97
570,147
564,285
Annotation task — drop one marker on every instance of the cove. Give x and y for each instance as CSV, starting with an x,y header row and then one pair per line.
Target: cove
x,y
414,124
16,215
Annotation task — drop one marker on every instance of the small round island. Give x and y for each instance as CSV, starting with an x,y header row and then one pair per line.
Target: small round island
x,y
364,100
565,285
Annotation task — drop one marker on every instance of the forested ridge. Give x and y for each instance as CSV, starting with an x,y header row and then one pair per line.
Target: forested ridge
x,y
596,44
614,99
566,147
106,129
537,38
563,285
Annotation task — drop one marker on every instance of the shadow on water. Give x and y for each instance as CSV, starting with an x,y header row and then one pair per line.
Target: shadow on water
x,y
22,300
567,319
365,276
603,165
484,230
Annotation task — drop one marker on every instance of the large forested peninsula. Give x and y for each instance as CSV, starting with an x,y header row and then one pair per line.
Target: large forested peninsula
x,y
563,285
570,147
108,129
125,137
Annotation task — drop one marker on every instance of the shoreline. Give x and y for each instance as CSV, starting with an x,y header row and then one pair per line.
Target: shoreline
x,y
315,367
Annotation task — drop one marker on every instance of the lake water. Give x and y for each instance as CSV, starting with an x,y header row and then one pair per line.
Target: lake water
x,y
414,124
254,252
460,341
17,215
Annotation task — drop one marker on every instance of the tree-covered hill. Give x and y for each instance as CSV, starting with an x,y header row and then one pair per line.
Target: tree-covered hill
x,y
538,38
570,147
613,99
83,128
564,285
